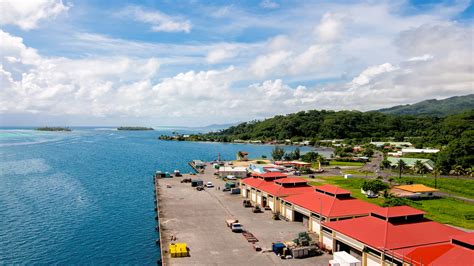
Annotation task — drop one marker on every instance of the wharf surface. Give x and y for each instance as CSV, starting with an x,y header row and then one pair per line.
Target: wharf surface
x,y
198,219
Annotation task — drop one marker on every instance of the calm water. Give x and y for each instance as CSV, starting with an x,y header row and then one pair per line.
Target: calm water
x,y
87,196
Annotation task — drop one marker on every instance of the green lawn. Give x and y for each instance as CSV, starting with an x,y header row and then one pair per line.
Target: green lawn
x,y
457,186
447,210
336,163
444,210
353,172
351,184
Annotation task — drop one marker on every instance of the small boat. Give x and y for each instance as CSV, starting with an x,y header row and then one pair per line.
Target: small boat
x,y
177,173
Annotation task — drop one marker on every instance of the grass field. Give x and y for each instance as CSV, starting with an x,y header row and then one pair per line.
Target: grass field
x,y
352,172
443,210
457,186
335,163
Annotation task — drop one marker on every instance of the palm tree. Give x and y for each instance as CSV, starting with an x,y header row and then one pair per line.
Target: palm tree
x,y
401,165
436,171
459,170
419,167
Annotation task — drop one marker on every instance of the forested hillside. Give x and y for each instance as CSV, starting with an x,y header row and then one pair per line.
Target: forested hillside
x,y
433,107
453,134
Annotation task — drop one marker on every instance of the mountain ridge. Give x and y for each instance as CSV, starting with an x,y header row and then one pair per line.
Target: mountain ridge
x,y
433,107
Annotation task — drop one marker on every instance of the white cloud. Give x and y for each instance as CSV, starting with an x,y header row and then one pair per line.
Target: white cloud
x,y
370,65
269,4
331,27
158,20
265,64
367,75
27,14
424,57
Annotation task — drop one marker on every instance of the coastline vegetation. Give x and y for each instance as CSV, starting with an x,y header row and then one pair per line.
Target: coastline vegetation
x,y
135,128
53,129
453,134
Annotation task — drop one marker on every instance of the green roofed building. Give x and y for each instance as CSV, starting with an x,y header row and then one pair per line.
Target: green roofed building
x,y
410,162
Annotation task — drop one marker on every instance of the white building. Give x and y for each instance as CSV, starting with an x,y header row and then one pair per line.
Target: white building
x,y
236,171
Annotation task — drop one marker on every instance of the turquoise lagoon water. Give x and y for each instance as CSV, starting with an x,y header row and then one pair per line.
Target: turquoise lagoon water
x,y
86,196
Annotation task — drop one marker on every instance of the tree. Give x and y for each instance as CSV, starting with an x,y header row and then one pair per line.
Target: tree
x,y
374,185
297,154
310,157
390,180
401,165
420,167
277,153
369,152
386,163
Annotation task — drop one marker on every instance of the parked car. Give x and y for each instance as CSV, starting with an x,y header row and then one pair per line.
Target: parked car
x,y
237,228
209,184
231,177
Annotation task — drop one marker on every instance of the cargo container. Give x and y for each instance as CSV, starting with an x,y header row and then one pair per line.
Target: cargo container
x,y
235,191
196,183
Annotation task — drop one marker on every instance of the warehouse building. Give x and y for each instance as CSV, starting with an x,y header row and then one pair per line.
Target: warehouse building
x,y
460,251
324,203
268,189
237,171
388,235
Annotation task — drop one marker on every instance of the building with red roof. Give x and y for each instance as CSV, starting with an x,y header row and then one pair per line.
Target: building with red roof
x,y
264,191
326,203
389,234
269,176
459,252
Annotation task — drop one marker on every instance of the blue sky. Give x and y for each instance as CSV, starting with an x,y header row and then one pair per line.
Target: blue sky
x,y
206,62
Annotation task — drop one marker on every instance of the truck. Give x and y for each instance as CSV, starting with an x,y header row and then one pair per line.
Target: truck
x,y
234,225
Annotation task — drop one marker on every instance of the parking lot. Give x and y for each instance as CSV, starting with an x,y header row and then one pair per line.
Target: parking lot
x,y
198,219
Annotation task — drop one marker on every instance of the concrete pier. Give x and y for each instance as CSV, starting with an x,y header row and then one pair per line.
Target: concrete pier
x,y
197,218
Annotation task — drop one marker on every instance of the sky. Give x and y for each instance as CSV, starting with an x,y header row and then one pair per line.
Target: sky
x,y
194,63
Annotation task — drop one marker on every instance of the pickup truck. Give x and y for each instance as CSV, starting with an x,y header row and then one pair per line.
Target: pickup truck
x,y
234,225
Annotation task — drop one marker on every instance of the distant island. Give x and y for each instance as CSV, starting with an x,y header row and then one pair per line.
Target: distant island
x,y
53,129
135,128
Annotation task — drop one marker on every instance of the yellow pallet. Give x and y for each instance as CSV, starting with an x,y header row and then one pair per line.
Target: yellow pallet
x,y
181,249
172,250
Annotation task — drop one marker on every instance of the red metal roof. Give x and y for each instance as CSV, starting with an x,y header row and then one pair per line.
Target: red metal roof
x,y
254,182
274,189
280,191
291,180
332,189
331,206
390,212
440,254
381,234
271,175
465,238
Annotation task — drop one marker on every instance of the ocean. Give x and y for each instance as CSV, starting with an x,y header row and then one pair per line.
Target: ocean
x,y
86,196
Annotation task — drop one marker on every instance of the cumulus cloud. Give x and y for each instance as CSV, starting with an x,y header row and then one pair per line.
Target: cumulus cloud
x,y
368,65
27,14
331,27
368,74
158,20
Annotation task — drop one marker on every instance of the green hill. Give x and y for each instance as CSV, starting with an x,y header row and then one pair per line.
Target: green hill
x,y
433,107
